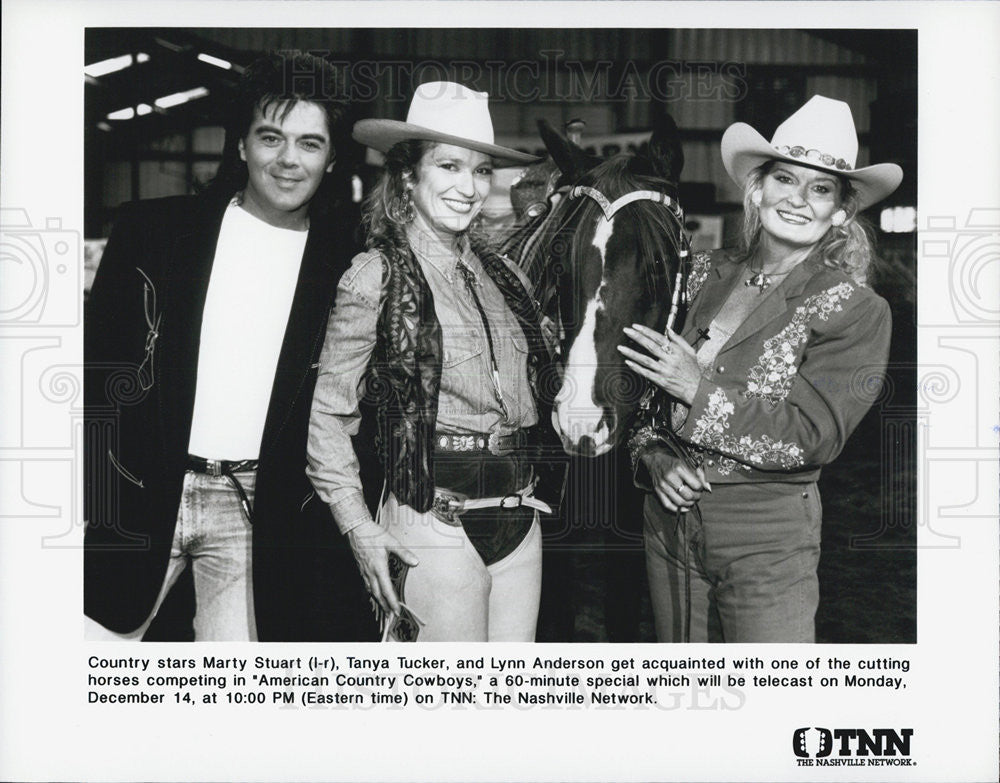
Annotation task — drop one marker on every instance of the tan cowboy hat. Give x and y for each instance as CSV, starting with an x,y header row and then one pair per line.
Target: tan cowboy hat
x,y
442,111
821,135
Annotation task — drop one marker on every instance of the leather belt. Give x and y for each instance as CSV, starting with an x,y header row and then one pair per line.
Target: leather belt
x,y
447,505
219,467
493,442
226,468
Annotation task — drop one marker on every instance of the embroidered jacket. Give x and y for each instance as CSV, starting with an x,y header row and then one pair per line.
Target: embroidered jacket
x,y
789,387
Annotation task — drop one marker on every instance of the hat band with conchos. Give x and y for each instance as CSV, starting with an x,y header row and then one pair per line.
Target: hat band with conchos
x,y
815,156
821,134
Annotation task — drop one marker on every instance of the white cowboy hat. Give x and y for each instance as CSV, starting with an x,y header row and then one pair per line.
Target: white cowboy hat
x,y
442,111
821,135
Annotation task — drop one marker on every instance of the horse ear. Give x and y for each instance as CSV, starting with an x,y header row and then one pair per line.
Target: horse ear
x,y
572,160
665,151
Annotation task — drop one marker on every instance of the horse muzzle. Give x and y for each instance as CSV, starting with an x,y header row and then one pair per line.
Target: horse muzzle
x,y
585,433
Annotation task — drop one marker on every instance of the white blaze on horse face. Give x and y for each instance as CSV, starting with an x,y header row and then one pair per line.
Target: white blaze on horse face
x,y
576,416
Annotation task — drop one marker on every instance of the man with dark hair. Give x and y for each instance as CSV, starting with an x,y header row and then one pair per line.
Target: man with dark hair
x,y
202,336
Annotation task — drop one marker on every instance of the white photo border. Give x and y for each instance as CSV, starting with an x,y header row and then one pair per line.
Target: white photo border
x,y
49,731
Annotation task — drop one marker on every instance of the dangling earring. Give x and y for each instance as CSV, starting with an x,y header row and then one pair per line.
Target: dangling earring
x,y
756,197
839,217
400,209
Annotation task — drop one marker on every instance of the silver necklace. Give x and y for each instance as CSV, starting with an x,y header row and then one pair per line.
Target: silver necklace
x,y
763,281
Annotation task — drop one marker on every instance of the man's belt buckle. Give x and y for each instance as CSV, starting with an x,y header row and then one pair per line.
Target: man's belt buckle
x,y
213,467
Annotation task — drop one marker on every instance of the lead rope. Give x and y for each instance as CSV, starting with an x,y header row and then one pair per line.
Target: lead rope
x,y
693,462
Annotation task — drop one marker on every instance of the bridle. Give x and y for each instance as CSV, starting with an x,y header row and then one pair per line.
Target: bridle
x,y
681,243
553,225
610,208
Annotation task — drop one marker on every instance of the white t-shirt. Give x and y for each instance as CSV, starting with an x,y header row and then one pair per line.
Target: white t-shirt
x,y
246,311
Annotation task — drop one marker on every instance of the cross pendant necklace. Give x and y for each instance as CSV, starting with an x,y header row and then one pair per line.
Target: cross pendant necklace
x,y
762,281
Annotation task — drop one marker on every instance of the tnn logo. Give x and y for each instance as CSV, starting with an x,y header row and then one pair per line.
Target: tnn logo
x,y
819,742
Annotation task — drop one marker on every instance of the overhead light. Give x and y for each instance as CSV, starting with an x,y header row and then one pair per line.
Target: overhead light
x,y
177,98
122,114
102,125
127,114
218,62
165,102
111,65
104,67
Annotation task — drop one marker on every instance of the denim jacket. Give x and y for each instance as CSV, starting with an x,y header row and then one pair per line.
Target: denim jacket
x,y
467,402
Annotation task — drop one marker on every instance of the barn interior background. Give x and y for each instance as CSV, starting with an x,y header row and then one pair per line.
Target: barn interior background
x,y
153,127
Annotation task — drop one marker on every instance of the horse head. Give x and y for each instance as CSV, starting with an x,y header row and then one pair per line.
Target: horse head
x,y
613,248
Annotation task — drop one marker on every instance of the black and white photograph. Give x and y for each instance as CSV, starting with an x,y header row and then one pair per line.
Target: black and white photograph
x,y
631,166
581,329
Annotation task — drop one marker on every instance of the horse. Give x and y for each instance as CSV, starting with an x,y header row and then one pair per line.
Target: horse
x,y
610,253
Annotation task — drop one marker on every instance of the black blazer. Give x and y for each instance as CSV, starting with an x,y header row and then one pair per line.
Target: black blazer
x,y
142,331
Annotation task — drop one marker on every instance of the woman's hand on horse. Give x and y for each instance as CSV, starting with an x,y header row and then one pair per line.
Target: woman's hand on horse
x,y
670,363
677,486
371,546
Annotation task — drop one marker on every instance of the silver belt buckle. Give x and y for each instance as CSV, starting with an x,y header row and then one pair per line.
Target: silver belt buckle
x,y
516,497
213,467
445,507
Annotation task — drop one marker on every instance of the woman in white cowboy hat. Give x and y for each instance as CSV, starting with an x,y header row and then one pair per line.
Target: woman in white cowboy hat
x,y
438,334
781,355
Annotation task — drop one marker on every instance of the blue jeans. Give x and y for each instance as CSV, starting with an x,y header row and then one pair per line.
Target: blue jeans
x,y
750,558
213,533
